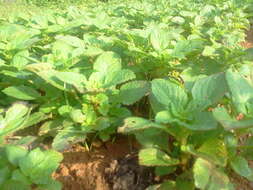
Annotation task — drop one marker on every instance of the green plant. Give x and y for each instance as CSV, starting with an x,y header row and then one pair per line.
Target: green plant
x,y
173,70
205,124
26,170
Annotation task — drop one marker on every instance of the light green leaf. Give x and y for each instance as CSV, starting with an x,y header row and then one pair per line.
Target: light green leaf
x,y
202,173
155,157
133,91
240,166
17,175
15,153
107,62
117,77
77,116
72,78
66,137
133,124
15,118
229,123
14,185
209,90
5,173
39,165
167,92
208,51
21,92
241,91
159,39
214,149
207,176
20,60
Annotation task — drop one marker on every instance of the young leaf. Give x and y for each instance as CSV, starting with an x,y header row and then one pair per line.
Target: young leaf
x,y
155,157
21,92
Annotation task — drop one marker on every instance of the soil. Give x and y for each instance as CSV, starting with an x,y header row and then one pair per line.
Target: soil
x,y
249,39
112,166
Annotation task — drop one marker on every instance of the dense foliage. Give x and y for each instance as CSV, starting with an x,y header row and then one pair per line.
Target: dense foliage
x,y
170,72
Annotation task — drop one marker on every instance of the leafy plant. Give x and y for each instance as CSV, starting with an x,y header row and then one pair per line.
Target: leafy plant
x,y
172,73
22,169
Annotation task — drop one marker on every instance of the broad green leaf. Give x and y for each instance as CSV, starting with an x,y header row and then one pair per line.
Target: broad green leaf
x,y
20,60
35,118
71,40
133,124
15,153
66,137
167,92
207,176
209,90
202,172
15,118
118,77
241,91
159,39
77,116
214,149
164,170
185,47
133,91
208,51
21,92
163,117
229,123
65,110
5,173
147,138
50,127
93,51
240,166
14,185
39,165
73,78
155,157
200,121
107,62
17,175
16,111
185,181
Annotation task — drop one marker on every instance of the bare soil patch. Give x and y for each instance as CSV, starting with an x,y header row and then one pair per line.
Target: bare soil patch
x,y
113,166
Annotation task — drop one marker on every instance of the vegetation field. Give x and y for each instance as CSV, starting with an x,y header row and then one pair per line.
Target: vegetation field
x,y
118,95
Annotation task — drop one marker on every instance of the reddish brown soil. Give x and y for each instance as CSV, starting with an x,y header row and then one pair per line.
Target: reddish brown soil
x,y
249,39
112,166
